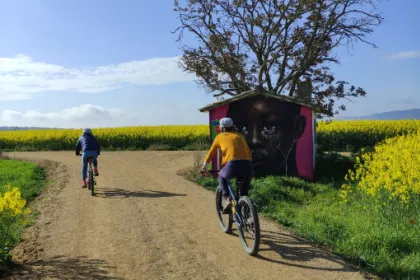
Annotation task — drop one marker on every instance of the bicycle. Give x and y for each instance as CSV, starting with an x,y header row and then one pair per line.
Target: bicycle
x,y
236,215
91,182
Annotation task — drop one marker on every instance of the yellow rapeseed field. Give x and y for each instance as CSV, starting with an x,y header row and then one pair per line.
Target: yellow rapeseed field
x,y
389,128
355,135
136,137
390,172
338,136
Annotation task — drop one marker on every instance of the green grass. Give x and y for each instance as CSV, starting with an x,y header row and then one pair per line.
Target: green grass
x,y
30,180
27,176
359,231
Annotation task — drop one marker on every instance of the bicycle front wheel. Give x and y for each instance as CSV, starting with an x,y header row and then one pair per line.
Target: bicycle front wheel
x,y
249,231
227,224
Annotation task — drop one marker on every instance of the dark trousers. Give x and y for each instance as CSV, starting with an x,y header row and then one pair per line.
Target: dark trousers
x,y
235,169
85,155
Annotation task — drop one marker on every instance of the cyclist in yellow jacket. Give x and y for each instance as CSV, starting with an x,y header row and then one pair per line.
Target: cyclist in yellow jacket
x,y
236,159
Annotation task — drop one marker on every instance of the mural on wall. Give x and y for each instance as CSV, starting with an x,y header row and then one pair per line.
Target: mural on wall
x,y
215,115
278,133
215,128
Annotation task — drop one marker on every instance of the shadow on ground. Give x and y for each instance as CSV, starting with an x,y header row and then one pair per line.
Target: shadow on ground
x,y
59,267
120,193
293,251
331,169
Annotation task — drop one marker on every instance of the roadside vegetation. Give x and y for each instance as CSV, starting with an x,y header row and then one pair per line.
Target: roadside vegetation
x,y
20,183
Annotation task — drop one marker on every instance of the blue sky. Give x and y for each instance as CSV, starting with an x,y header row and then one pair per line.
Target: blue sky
x,y
112,63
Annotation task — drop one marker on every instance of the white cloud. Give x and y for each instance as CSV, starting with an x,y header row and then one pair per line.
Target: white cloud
x,y
404,55
84,115
21,76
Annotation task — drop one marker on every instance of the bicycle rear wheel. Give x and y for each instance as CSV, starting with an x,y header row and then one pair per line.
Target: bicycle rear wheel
x,y
250,225
91,181
227,224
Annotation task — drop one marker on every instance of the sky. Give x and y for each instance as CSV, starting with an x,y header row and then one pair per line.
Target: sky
x,y
103,63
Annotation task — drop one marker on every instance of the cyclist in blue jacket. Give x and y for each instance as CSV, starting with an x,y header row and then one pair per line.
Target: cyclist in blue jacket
x,y
89,146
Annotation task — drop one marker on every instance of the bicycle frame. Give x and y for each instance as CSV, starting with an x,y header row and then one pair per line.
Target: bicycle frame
x,y
238,218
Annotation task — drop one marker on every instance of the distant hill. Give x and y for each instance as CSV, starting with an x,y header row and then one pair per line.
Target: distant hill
x,y
391,115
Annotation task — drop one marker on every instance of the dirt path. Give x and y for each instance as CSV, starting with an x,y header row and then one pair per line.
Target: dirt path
x,y
146,222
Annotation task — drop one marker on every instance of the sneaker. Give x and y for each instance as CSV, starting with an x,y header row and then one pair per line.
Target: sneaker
x,y
84,184
96,171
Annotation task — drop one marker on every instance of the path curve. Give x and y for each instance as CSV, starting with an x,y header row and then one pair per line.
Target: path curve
x,y
147,222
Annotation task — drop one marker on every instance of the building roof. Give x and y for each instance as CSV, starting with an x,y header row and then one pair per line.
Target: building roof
x,y
251,93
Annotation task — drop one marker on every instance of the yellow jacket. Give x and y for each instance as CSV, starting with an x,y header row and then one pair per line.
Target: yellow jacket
x,y
233,146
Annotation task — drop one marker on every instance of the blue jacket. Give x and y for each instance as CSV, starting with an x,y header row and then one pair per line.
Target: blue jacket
x,y
87,142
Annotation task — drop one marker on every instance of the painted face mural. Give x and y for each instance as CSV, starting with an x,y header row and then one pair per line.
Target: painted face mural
x,y
271,128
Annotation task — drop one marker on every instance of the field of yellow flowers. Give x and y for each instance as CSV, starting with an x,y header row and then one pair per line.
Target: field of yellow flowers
x,y
381,207
172,137
337,136
390,173
354,135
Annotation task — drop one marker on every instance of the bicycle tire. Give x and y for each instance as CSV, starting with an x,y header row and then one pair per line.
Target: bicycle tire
x,y
226,228
246,201
88,177
91,180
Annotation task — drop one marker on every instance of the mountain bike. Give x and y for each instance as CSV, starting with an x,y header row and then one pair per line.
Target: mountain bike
x,y
91,182
243,213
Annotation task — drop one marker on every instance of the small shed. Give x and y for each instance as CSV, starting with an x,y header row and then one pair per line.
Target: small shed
x,y
280,131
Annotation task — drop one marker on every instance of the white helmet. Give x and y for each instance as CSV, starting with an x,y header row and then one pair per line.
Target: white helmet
x,y
226,122
87,131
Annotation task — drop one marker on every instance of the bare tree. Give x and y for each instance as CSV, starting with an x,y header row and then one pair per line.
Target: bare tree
x,y
273,44
285,151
